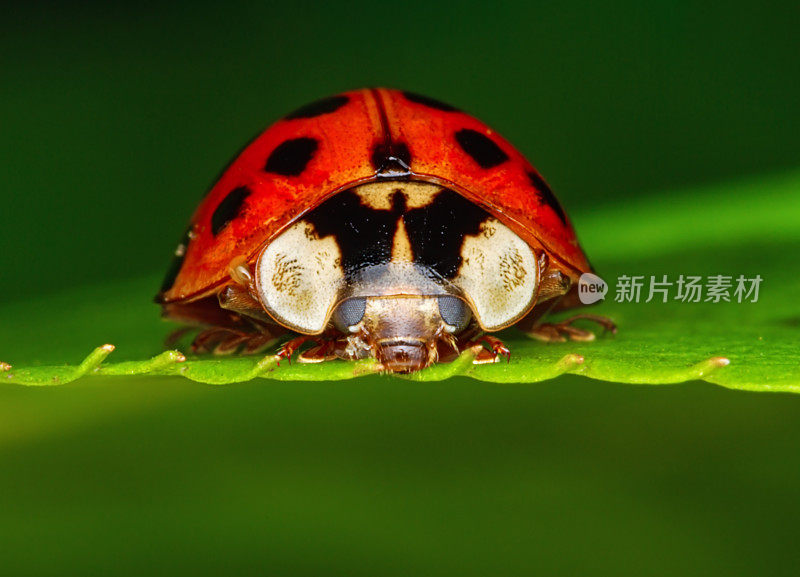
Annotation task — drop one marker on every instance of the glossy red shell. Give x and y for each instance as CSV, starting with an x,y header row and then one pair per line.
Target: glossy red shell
x,y
347,138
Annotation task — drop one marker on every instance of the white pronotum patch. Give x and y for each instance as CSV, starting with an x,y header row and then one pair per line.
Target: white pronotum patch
x,y
401,244
498,275
299,278
378,195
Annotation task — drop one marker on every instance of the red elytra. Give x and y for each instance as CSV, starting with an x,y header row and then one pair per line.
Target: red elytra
x,y
347,138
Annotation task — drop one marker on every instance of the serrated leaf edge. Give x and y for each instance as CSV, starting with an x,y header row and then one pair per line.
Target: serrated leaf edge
x,y
175,363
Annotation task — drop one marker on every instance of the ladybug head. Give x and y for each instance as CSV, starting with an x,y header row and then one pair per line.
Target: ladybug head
x,y
403,332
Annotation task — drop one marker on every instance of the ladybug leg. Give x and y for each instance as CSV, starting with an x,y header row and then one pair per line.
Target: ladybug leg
x,y
263,330
209,340
554,285
326,348
226,331
225,341
496,349
288,349
230,343
257,343
563,330
607,324
492,348
324,351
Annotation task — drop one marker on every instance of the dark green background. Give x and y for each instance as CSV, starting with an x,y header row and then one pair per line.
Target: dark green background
x,y
114,120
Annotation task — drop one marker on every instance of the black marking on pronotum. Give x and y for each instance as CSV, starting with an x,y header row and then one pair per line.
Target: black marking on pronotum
x,y
291,157
176,263
364,234
429,102
481,148
319,107
546,195
437,230
391,159
399,202
230,207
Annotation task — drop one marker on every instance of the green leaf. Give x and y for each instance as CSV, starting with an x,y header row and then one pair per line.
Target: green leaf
x,y
745,228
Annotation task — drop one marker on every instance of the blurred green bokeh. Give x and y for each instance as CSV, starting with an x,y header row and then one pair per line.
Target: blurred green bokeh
x,y
168,477
114,120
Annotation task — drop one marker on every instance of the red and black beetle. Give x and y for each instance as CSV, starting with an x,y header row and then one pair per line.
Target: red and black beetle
x,y
376,223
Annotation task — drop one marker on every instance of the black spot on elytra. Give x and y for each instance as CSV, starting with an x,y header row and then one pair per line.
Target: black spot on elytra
x,y
481,148
230,207
391,159
291,157
176,263
429,102
546,195
319,107
437,230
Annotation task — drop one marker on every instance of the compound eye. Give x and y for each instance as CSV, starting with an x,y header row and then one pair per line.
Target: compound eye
x,y
455,313
349,313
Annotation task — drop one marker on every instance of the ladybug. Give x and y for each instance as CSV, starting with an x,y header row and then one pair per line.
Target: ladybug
x,y
376,223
